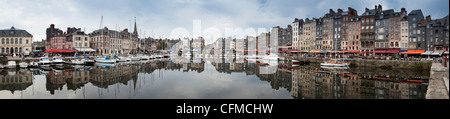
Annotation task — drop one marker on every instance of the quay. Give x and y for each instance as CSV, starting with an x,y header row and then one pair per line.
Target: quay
x,y
438,85
370,63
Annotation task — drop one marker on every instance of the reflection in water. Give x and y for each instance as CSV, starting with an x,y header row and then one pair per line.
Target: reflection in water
x,y
213,78
13,80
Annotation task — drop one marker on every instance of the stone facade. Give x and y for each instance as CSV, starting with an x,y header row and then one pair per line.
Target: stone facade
x,y
15,41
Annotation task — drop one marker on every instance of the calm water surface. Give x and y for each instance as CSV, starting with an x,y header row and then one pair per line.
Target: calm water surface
x,y
179,78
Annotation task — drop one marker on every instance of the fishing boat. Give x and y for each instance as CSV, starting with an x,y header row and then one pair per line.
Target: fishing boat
x,y
145,57
23,64
77,61
135,58
57,60
88,62
106,60
44,62
159,56
11,65
122,59
166,55
335,63
33,65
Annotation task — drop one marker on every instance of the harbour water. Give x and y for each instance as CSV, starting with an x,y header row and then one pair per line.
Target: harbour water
x,y
215,78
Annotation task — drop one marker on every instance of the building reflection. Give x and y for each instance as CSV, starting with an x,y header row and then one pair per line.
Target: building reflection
x,y
306,82
316,83
15,80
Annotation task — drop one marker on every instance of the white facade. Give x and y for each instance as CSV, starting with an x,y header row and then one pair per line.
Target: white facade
x,y
186,47
252,46
295,36
273,47
262,44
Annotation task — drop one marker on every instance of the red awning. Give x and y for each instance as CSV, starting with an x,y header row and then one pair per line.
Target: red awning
x,y
60,51
294,51
353,51
366,51
393,51
380,51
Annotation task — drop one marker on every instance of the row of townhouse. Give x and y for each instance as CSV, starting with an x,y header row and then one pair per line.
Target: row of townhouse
x,y
375,31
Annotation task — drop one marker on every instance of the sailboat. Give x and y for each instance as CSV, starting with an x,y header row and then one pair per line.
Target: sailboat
x,y
107,59
78,60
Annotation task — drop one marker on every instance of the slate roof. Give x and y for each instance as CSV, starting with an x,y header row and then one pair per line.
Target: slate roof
x,y
13,32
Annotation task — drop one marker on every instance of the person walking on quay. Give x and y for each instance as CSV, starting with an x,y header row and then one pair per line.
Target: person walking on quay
x,y
445,61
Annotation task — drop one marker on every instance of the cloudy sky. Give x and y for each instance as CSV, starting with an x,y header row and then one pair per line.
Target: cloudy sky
x,y
175,18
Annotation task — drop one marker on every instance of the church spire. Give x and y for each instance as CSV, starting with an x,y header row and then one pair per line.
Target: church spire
x,y
135,27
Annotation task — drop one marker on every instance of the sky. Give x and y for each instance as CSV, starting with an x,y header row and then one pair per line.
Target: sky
x,y
186,18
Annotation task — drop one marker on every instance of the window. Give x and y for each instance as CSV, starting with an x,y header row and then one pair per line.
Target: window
x,y
17,41
27,41
20,40
7,40
85,44
3,40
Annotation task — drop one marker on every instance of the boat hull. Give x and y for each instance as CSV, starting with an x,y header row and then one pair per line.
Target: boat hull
x,y
106,61
89,63
334,65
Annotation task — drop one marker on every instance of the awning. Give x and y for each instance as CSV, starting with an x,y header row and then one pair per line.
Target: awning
x,y
316,51
445,53
380,51
305,50
437,53
393,51
413,52
60,51
84,49
294,51
403,51
324,52
352,51
366,51
427,53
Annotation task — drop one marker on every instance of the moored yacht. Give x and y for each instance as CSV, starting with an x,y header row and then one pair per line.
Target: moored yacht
x,y
11,65
57,60
106,60
44,62
335,63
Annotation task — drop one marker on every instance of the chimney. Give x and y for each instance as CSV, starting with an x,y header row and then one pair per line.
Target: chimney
x,y
331,11
352,11
69,30
340,11
404,11
126,30
379,7
428,18
52,28
376,7
367,9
